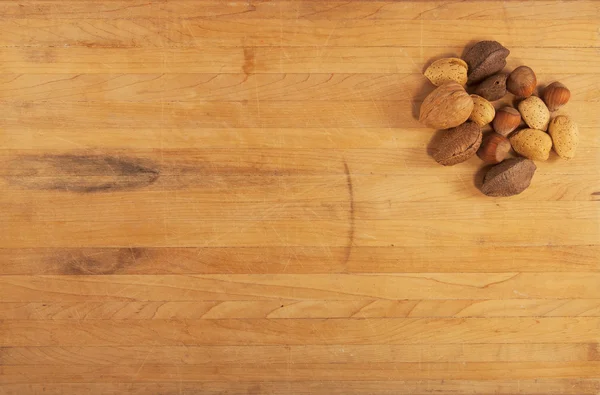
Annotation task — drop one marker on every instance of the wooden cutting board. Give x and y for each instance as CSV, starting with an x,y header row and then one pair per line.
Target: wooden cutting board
x,y
210,197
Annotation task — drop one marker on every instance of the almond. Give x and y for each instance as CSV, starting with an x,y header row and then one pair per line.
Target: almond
x,y
447,70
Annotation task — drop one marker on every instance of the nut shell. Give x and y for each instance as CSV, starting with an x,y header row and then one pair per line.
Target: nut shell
x,y
458,144
447,70
449,105
494,148
565,136
507,119
509,178
483,111
484,59
521,82
493,88
535,113
556,95
531,143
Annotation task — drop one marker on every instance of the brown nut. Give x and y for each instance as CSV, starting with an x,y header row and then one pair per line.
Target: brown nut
x,y
483,111
484,59
458,144
494,148
506,121
521,82
535,113
493,88
449,105
509,178
556,95
531,143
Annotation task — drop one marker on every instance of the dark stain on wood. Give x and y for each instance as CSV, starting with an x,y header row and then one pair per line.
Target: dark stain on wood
x,y
593,352
112,261
248,66
81,173
351,216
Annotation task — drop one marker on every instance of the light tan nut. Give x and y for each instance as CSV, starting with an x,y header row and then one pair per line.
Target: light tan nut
x,y
565,136
483,111
531,143
447,70
535,113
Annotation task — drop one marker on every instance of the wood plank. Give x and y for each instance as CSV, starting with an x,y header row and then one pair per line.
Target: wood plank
x,y
335,354
272,32
183,232
273,60
572,386
282,170
369,308
47,137
200,88
298,260
153,206
300,372
302,332
226,115
312,10
410,286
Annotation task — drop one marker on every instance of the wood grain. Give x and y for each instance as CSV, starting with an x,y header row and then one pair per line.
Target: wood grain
x,y
235,197
405,387
230,32
265,60
242,332
299,260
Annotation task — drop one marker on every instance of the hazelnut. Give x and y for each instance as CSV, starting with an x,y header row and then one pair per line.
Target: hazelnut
x,y
493,88
506,121
494,149
556,95
521,82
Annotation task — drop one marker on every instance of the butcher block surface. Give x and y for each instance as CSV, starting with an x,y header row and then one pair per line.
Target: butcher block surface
x,y
236,197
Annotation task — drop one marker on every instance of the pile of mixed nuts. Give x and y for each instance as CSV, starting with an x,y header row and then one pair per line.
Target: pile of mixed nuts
x,y
450,107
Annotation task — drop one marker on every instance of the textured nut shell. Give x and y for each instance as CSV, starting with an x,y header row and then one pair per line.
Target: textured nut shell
x,y
447,70
507,119
483,111
509,178
535,113
531,143
493,88
484,59
565,136
447,106
556,95
521,82
457,144
494,148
